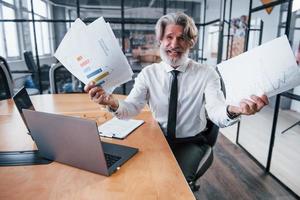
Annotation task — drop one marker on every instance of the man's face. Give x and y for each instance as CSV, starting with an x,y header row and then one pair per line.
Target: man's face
x,y
174,48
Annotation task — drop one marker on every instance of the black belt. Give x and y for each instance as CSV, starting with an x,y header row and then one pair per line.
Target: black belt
x,y
199,139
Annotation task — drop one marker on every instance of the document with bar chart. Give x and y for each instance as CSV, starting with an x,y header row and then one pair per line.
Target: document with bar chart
x,y
92,53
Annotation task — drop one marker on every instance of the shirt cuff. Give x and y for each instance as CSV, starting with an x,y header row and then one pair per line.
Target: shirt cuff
x,y
117,112
230,115
230,121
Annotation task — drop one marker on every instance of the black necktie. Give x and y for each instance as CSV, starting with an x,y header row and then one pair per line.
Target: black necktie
x,y
171,127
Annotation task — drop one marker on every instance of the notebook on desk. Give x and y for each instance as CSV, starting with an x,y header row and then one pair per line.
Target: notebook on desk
x,y
117,128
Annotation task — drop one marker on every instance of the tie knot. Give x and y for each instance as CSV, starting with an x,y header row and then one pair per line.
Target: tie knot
x,y
175,72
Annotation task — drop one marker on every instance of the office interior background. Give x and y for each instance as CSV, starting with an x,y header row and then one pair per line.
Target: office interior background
x,y
31,30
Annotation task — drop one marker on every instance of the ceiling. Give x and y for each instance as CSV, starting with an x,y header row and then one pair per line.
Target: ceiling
x,y
127,3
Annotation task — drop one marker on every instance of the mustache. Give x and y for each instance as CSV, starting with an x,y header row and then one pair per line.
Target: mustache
x,y
177,49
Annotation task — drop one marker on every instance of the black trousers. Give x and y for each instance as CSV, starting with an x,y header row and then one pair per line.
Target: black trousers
x,y
188,153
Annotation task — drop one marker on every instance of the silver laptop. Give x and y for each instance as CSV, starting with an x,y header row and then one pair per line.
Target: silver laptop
x,y
76,142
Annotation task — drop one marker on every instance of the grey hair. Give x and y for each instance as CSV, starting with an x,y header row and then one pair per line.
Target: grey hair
x,y
190,30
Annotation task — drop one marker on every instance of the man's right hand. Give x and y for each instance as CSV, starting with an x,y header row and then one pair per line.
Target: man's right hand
x,y
99,96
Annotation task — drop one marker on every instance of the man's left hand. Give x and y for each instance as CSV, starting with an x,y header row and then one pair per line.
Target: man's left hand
x,y
249,107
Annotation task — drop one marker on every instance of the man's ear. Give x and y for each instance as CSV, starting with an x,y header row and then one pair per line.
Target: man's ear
x,y
192,45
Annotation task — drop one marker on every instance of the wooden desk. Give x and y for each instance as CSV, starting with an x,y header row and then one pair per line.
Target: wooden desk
x,y
152,173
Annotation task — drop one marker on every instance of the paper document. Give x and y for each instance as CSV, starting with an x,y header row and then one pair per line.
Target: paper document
x,y
71,46
268,69
118,128
92,53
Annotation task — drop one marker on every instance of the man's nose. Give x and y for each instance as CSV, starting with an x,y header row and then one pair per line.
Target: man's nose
x,y
174,43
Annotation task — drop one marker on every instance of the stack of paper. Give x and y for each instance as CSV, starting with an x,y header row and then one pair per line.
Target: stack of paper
x,y
92,53
268,69
118,128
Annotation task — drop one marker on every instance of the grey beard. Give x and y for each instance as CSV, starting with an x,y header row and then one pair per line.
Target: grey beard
x,y
173,62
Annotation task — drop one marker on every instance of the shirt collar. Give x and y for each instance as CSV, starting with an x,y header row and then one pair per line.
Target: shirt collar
x,y
181,68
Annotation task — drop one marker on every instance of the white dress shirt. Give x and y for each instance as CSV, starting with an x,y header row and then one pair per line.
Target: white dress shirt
x,y
199,88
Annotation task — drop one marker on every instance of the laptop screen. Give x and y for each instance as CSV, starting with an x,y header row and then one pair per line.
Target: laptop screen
x,y
22,101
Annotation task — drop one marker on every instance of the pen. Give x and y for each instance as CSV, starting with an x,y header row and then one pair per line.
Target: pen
x,y
105,135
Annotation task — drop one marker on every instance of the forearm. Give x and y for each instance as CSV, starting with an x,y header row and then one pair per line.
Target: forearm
x,y
216,107
218,114
113,104
135,101
127,109
232,112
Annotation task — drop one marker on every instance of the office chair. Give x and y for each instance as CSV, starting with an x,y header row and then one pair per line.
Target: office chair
x,y
62,81
5,64
33,68
6,84
210,135
23,75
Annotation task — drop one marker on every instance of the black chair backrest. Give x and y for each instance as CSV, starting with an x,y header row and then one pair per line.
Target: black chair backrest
x,y
32,67
222,83
56,75
62,81
212,129
3,60
211,134
28,56
5,92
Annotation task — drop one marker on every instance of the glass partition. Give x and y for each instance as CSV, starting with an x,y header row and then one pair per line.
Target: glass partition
x,y
285,163
141,9
91,10
255,131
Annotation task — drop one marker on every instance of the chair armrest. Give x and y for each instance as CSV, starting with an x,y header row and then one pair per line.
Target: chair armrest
x,y
21,72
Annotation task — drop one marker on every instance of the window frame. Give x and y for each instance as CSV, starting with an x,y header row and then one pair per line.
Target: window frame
x,y
2,29
50,30
18,11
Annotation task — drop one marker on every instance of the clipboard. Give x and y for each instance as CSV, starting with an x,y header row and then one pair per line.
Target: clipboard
x,y
118,128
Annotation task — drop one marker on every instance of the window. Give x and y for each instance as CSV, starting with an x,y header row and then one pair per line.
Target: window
x,y
16,37
2,47
9,41
41,11
9,1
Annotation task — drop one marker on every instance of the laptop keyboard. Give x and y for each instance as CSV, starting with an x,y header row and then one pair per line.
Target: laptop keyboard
x,y
111,159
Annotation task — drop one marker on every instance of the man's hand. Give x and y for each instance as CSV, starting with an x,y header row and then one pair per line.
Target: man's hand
x,y
249,107
99,96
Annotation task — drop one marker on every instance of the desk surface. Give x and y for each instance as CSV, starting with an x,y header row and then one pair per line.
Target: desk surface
x,y
153,173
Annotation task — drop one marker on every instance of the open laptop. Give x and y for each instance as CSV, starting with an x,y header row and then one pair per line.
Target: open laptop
x,y
76,142
21,157
22,101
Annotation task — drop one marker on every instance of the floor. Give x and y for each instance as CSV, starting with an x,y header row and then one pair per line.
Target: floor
x,y
233,175
255,134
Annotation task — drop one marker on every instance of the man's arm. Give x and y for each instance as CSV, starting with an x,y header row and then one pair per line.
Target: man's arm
x,y
99,96
225,115
122,109
215,101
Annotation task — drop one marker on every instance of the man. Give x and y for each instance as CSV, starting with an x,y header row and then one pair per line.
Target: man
x,y
180,93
